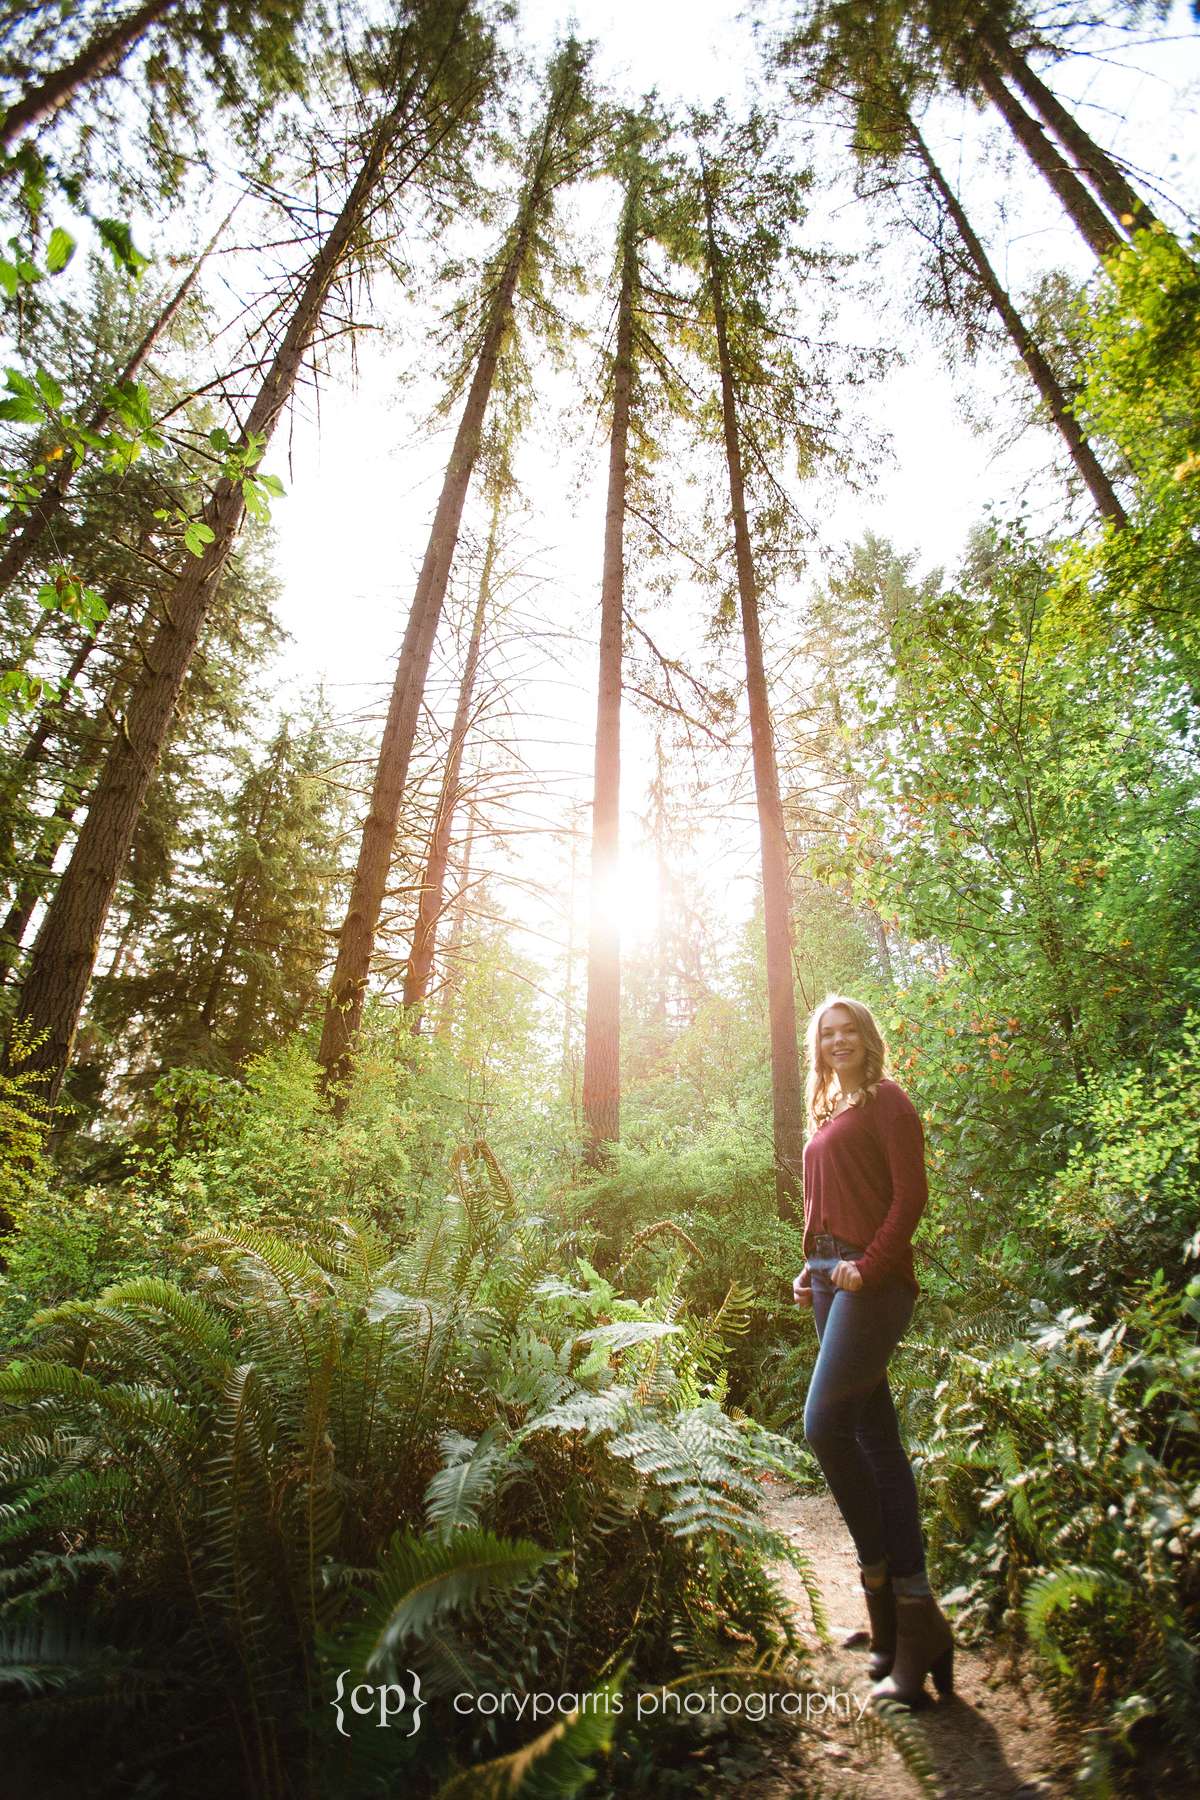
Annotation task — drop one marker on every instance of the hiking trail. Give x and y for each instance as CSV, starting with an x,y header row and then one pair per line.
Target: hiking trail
x,y
994,1739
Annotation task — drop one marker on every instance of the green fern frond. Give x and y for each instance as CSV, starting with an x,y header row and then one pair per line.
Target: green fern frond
x,y
1053,1593
554,1766
257,1258
421,1579
626,1334
468,1477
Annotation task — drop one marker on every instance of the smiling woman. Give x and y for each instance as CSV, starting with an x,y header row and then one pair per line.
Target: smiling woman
x,y
864,1191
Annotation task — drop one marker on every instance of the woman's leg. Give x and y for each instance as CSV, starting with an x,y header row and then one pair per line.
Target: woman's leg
x,y
879,1437
857,1334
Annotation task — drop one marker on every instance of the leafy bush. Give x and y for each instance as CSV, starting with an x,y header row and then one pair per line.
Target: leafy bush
x,y
1064,1473
466,1458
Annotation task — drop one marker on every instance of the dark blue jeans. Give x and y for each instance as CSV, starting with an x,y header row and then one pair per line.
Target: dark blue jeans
x,y
850,1421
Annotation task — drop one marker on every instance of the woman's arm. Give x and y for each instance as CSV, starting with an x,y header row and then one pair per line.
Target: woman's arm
x,y
903,1140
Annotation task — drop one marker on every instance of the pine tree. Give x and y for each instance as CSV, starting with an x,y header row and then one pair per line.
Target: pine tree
x,y
553,157
432,900
437,77
749,205
849,54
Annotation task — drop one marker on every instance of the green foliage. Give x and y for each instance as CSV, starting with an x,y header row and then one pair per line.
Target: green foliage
x,y
316,1456
1063,1474
24,1118
1140,393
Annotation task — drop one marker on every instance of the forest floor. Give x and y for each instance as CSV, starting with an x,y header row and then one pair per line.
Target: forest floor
x,y
995,1737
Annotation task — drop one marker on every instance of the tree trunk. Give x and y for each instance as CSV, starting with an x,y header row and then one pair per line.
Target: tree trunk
x,y
20,545
1107,178
34,882
458,928
343,1012
1092,224
433,885
786,1090
32,755
602,1027
1044,378
220,968
100,56
65,954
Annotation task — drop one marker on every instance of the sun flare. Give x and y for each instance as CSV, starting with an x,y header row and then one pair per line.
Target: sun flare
x,y
629,896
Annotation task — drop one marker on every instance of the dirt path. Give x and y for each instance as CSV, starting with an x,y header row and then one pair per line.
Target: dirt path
x,y
994,1738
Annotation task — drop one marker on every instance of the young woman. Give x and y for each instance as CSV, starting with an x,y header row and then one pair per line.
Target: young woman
x,y
864,1191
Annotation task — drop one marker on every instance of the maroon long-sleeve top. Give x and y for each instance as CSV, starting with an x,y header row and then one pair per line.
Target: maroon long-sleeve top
x,y
864,1181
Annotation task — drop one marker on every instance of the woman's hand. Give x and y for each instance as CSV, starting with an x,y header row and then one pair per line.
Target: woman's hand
x,y
801,1291
847,1276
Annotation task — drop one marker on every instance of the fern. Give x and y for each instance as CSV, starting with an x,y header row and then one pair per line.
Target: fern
x,y
554,1766
421,1580
469,1476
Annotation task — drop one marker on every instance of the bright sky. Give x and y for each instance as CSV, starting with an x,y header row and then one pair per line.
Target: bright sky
x,y
361,491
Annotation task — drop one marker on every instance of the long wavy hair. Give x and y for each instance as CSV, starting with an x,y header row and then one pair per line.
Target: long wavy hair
x,y
820,1075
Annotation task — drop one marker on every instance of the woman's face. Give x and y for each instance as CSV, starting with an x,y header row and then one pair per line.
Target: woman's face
x,y
842,1047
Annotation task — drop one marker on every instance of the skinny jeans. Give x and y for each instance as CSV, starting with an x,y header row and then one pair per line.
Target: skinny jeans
x,y
850,1421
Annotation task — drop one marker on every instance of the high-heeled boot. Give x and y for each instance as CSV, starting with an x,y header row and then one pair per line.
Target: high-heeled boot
x,y
881,1611
924,1645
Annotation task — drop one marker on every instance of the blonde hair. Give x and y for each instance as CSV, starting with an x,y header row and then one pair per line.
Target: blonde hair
x,y
820,1076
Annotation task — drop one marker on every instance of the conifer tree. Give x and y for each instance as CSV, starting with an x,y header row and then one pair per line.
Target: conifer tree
x,y
435,75
431,903
229,959
553,156
976,47
245,55
857,61
749,203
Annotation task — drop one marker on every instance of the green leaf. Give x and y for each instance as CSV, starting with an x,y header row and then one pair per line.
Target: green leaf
x,y
422,1579
256,506
51,392
197,535
117,239
59,251
552,1764
219,439
21,410
10,281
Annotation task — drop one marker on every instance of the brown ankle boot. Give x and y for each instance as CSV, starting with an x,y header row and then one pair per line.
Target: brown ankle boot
x,y
881,1610
924,1643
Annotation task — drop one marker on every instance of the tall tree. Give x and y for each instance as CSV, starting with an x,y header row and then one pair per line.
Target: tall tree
x,y
436,74
858,64
432,901
749,208
103,52
1105,175
553,156
245,56
1098,232
230,960
1036,362
602,1027
20,545
972,47
645,393
458,928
